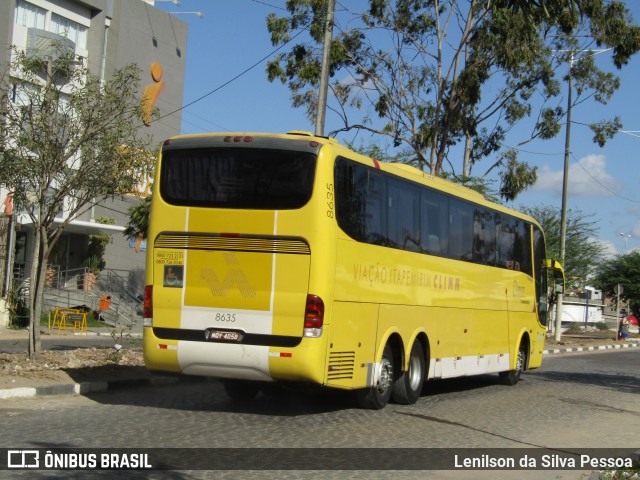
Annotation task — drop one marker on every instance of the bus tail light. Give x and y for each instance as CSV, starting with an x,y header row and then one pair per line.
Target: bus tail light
x,y
147,313
313,316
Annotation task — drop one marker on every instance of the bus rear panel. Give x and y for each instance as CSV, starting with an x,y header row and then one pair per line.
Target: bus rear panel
x,y
224,237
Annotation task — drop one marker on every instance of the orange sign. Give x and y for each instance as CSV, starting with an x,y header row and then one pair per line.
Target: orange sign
x,y
152,92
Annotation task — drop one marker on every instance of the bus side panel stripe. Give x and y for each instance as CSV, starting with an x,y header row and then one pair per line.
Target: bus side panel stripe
x,y
449,367
273,270
184,255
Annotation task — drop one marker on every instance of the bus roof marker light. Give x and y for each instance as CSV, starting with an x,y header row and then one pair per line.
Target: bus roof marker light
x,y
248,139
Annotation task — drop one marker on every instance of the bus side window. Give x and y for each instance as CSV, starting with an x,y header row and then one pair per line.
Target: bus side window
x,y
505,243
434,222
484,236
461,230
350,193
403,219
375,213
522,249
433,244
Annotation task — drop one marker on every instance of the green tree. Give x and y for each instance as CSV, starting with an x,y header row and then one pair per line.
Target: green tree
x,y
94,259
138,219
625,271
67,140
455,72
480,185
582,251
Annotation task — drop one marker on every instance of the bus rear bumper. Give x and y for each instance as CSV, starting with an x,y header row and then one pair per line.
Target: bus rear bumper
x,y
245,362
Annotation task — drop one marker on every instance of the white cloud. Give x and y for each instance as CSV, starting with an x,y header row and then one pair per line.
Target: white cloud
x,y
588,177
610,248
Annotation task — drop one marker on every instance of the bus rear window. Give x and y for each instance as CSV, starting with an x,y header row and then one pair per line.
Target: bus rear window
x,y
247,178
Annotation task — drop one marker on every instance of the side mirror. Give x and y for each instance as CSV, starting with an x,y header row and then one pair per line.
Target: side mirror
x,y
558,275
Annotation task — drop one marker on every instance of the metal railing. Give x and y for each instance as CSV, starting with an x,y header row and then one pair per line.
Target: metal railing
x,y
71,288
119,282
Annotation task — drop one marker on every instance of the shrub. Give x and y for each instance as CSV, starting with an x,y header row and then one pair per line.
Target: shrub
x,y
18,308
574,328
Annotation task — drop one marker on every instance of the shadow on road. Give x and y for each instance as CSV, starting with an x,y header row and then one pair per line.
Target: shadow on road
x,y
613,381
203,394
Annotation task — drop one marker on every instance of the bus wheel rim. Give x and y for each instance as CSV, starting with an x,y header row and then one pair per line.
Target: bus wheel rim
x,y
520,362
386,376
414,372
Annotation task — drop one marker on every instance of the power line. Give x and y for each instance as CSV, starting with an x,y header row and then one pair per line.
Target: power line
x,y
234,78
615,194
518,149
631,133
269,5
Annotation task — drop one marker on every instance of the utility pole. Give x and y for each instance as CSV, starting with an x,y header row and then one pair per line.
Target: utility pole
x,y
565,188
324,71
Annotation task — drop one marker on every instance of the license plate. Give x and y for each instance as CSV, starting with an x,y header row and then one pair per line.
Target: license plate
x,y
214,335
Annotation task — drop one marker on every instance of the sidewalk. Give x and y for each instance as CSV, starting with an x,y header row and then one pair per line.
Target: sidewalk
x,y
10,334
80,379
631,343
84,380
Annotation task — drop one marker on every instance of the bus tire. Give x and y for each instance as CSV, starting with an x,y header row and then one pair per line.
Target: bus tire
x,y
240,390
408,385
377,396
513,376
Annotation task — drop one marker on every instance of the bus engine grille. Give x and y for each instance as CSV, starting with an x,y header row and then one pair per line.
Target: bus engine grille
x,y
341,365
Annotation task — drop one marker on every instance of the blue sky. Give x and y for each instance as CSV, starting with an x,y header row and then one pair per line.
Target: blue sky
x,y
231,37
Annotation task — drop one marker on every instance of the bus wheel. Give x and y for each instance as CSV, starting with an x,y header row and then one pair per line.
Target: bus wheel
x,y
513,376
241,391
377,396
408,386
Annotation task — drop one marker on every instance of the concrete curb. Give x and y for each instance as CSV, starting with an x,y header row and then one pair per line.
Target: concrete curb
x,y
83,388
589,349
45,333
94,334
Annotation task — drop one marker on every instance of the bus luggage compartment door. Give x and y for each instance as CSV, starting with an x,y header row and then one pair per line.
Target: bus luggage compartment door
x,y
259,292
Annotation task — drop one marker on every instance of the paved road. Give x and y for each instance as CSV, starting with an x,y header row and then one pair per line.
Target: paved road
x,y
574,401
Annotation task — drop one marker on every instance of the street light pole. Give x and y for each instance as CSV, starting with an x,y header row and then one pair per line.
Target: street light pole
x,y
197,14
626,237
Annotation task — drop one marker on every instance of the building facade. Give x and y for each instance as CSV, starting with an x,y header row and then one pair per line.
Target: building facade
x,y
107,34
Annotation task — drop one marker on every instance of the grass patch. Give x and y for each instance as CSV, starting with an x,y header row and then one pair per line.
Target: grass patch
x,y
92,319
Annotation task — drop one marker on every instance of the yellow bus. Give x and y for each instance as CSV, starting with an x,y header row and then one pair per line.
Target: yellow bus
x,y
290,258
